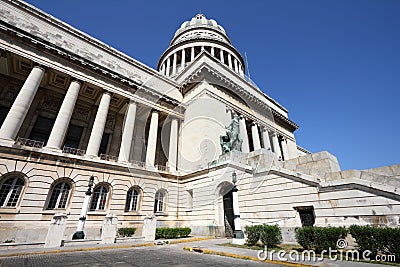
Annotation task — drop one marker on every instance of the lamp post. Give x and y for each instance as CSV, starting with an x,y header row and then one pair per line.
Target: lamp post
x,y
238,236
79,234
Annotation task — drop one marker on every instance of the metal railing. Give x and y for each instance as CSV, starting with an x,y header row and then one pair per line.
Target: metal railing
x,y
137,163
29,143
108,157
73,151
162,168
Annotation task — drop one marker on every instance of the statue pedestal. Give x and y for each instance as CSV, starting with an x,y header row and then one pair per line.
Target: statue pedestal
x,y
235,156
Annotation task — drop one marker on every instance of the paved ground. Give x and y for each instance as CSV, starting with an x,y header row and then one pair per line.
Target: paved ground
x,y
171,255
162,255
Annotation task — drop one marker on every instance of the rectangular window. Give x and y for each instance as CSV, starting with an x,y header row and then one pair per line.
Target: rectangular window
x,y
190,199
73,137
104,143
41,130
3,114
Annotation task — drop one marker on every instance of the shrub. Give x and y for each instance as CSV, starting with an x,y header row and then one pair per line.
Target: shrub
x,y
383,240
171,233
271,235
319,238
327,237
126,232
305,237
253,233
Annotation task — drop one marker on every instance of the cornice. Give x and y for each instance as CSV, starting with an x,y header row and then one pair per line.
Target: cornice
x,y
81,35
196,74
48,47
247,82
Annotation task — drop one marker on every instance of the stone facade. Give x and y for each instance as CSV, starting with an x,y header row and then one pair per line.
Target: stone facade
x,y
72,108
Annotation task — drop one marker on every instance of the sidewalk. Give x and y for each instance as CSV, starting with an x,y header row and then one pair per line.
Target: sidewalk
x,y
205,245
211,246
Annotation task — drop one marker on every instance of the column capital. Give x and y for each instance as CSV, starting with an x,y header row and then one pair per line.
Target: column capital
x,y
40,66
105,91
130,101
75,80
253,123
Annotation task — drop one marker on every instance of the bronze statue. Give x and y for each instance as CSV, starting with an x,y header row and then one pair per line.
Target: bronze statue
x,y
232,139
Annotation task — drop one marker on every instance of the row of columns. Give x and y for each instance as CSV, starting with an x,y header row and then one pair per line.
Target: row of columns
x,y
15,117
169,70
279,143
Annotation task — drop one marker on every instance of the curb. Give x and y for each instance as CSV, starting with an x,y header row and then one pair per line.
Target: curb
x,y
238,256
99,248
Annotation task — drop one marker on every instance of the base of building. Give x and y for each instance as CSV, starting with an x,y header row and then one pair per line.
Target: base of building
x,y
78,235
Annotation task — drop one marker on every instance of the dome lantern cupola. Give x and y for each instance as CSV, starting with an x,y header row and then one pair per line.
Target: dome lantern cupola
x,y
194,36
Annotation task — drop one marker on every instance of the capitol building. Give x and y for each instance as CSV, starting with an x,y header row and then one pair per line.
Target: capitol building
x,y
158,141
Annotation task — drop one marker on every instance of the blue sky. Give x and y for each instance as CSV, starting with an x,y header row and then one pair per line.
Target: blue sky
x,y
335,65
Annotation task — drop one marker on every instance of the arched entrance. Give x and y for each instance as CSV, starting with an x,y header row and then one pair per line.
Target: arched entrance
x,y
228,214
224,209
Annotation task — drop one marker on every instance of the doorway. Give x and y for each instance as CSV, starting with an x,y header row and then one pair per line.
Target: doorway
x,y
228,214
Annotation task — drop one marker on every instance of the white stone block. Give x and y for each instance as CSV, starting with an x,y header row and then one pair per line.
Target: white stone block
x,y
56,231
109,230
149,228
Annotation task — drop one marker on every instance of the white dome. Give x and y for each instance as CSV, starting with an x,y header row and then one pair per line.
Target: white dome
x,y
200,21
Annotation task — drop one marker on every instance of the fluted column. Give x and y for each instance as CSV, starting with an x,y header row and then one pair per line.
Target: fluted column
x,y
256,137
285,152
127,133
183,59
192,54
221,55
163,68
98,126
241,70
15,117
173,145
230,61
152,140
275,144
61,124
168,66
243,134
229,114
174,63
236,65
266,142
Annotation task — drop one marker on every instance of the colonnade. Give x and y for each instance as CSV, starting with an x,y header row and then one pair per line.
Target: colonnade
x,y
18,111
262,137
171,65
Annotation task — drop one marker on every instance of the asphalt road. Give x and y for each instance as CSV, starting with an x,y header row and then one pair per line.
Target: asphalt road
x,y
141,256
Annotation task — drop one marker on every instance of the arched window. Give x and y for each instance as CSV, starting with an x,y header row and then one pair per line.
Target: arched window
x,y
99,198
59,195
159,203
132,200
10,191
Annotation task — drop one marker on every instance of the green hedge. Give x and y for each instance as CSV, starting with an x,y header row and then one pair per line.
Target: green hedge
x,y
270,235
170,233
126,232
382,240
319,238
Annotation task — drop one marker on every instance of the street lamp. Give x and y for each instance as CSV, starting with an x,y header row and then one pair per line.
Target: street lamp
x,y
79,234
238,236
